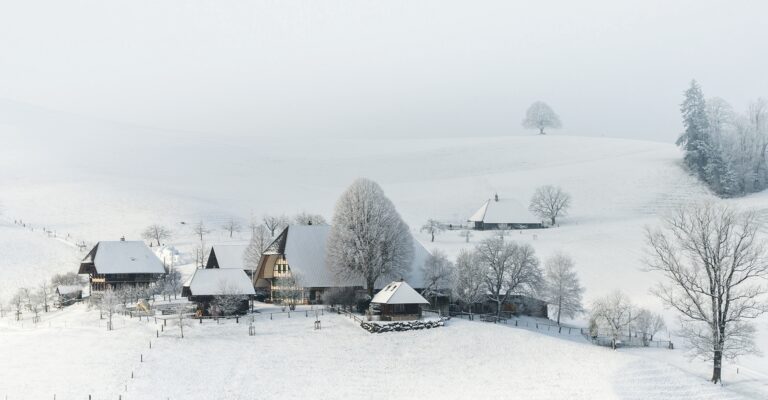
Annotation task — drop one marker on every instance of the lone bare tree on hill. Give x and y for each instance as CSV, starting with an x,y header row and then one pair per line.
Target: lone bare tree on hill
x,y
156,232
550,202
368,239
432,227
232,226
714,265
540,116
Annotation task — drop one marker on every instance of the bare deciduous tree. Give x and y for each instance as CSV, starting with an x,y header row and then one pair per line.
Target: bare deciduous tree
x,y
509,268
614,313
368,239
540,116
156,232
44,294
470,279
439,275
200,230
108,304
275,223
550,202
466,234
562,287
714,267
232,226
260,240
432,227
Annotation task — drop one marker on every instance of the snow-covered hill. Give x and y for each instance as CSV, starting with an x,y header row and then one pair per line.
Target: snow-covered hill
x,y
95,180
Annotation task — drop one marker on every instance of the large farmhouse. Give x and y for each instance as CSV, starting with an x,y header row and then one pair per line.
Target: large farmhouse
x,y
503,214
301,250
114,264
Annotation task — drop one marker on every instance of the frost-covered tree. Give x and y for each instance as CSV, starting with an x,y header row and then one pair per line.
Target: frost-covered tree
x,y
44,295
550,202
66,279
17,303
470,279
305,218
232,225
613,313
510,268
647,324
562,288
172,283
109,303
156,232
540,116
228,301
439,275
275,223
695,138
432,227
288,290
714,266
368,239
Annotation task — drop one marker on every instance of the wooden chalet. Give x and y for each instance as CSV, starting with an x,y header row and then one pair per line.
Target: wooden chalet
x,y
208,287
398,301
301,249
499,213
115,264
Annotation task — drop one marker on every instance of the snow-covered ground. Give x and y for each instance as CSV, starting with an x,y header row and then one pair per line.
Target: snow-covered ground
x,y
99,181
289,359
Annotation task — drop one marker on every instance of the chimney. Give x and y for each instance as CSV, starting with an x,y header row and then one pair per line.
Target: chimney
x,y
122,238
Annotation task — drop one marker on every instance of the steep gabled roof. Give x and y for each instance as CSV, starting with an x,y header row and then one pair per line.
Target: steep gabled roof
x,y
398,292
503,211
220,281
227,255
122,257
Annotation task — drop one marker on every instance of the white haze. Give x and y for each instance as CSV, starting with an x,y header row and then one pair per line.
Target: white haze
x,y
352,68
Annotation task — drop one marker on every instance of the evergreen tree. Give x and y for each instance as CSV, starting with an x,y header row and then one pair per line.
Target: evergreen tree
x,y
695,139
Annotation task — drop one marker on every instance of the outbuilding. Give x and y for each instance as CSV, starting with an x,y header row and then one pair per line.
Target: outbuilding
x,y
398,301
219,291
499,213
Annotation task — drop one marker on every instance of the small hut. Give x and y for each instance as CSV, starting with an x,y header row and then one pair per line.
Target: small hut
x,y
398,301
219,291
68,295
499,213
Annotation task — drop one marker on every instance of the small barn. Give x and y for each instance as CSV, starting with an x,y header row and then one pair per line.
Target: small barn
x,y
68,294
219,291
115,264
398,301
499,213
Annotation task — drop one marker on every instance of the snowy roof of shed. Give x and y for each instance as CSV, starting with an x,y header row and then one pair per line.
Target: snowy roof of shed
x,y
215,281
503,211
304,247
68,289
230,255
398,292
124,257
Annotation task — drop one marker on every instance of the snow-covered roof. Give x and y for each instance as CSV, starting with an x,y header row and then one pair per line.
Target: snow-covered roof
x,y
503,211
305,249
68,289
124,257
398,292
230,255
215,281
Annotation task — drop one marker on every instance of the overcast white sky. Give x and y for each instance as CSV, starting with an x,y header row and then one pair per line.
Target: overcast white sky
x,y
425,68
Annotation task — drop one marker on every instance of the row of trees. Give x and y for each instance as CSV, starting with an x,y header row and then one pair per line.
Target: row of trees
x,y
40,298
723,148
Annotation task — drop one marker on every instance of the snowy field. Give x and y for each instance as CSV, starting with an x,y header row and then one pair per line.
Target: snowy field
x,y
289,359
100,181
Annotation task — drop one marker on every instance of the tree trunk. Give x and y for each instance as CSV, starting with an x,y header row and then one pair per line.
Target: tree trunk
x,y
433,236
717,366
541,131
498,309
559,306
553,220
369,284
